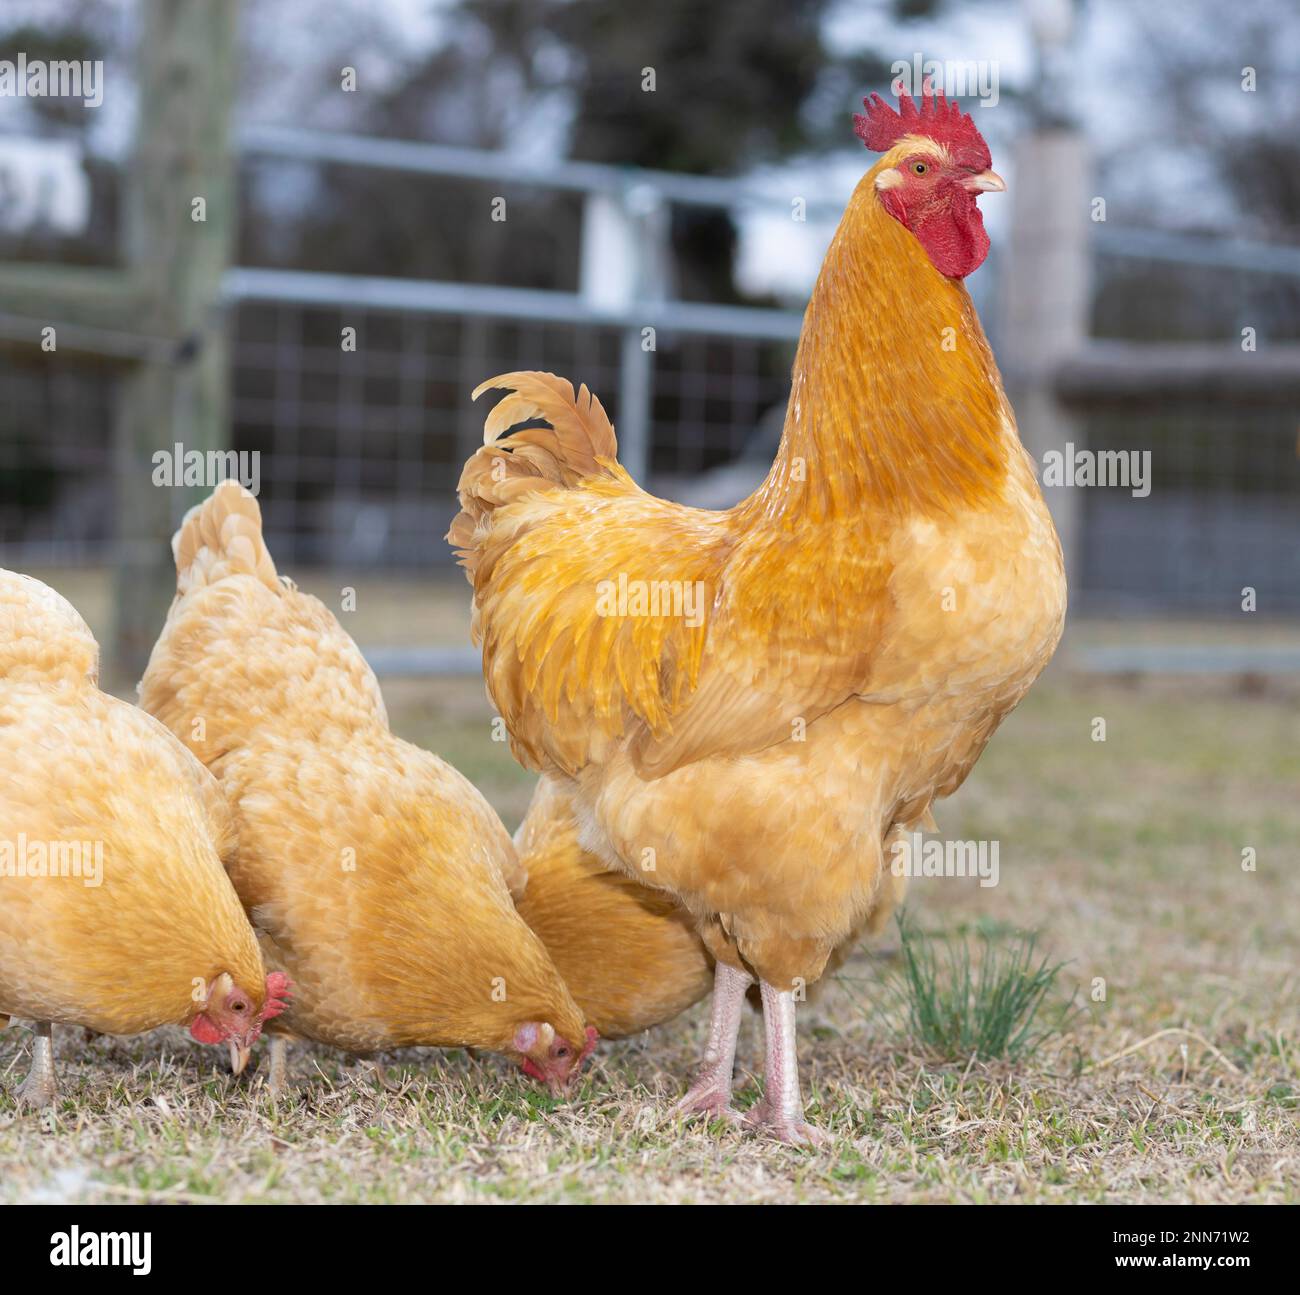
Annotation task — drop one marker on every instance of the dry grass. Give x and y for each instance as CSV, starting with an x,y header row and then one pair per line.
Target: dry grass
x,y
1181,1085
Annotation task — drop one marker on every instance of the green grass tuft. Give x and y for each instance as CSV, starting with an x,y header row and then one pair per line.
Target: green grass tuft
x,y
958,1006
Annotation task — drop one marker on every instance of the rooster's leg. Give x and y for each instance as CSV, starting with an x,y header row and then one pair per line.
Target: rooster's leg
x,y
780,1113
39,1088
710,1091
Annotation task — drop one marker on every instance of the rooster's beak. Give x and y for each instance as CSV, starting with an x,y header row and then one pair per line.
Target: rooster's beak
x,y
985,182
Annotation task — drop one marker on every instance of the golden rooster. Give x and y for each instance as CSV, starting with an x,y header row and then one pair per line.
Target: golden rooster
x,y
747,705
375,874
115,909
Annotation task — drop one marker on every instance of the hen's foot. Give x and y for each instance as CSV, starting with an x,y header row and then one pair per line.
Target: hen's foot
x,y
39,1089
369,1068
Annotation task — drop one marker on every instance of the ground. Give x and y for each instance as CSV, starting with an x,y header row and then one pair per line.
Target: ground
x,y
1176,1080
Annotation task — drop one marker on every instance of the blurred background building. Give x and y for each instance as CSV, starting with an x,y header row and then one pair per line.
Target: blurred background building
x,y
637,197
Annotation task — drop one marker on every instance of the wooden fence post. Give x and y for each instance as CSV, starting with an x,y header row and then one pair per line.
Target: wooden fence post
x,y
179,216
1045,299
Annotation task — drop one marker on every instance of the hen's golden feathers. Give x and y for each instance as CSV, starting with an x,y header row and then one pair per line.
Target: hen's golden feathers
x,y
378,877
42,636
384,896
242,647
222,537
630,955
113,897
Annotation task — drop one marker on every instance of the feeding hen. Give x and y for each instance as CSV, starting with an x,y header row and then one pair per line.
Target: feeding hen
x,y
115,909
376,875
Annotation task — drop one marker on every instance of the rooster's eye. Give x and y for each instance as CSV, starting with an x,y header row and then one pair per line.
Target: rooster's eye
x,y
919,168
562,1052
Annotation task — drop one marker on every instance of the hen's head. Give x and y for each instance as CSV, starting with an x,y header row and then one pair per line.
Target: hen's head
x,y
935,167
232,1015
549,1057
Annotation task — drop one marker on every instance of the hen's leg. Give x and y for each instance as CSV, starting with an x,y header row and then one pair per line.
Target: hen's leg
x,y
39,1088
710,1091
279,1064
366,1064
780,1113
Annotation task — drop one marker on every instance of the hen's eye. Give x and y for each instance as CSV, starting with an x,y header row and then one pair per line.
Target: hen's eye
x,y
239,1007
562,1052
919,168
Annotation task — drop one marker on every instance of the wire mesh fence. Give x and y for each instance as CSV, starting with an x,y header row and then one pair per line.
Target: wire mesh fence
x,y
56,469
360,450
360,447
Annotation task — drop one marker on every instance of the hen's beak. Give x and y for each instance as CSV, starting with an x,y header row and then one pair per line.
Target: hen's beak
x,y
985,182
239,1054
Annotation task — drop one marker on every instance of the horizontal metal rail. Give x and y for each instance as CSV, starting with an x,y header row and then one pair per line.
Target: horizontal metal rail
x,y
508,168
596,177
1139,374
1186,658
430,296
419,663
1187,249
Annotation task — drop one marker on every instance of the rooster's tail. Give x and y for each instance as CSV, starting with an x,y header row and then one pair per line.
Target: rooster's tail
x,y
42,636
222,537
539,436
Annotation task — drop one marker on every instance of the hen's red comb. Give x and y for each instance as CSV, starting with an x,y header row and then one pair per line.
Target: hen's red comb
x,y
279,989
937,119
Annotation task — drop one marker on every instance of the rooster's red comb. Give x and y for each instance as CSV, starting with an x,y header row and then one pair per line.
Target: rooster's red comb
x,y
880,128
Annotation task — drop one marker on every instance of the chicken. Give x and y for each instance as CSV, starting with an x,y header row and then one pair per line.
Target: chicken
x,y
630,955
747,705
116,913
377,877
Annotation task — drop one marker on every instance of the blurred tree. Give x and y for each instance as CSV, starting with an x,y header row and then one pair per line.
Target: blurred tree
x,y
736,83
1214,149
710,89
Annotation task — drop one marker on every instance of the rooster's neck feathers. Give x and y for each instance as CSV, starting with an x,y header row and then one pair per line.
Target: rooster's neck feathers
x,y
896,403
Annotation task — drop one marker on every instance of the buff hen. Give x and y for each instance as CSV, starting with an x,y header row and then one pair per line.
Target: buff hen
x,y
376,875
116,913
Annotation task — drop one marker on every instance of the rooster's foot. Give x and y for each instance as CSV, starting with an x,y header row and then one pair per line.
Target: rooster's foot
x,y
710,1096
786,1128
710,1091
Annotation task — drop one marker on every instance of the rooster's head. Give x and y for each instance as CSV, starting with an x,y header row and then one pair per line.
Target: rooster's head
x,y
936,164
